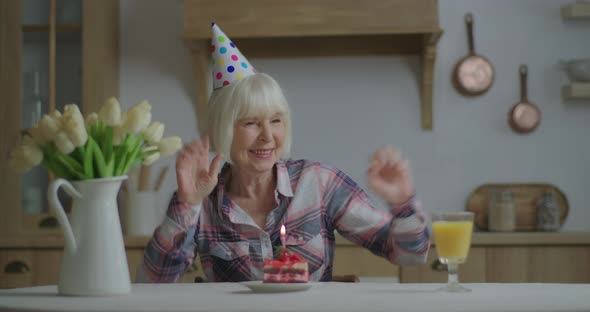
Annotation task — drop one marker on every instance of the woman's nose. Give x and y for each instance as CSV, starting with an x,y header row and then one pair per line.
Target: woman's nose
x,y
266,134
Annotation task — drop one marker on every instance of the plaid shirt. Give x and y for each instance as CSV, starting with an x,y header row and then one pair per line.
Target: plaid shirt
x,y
312,200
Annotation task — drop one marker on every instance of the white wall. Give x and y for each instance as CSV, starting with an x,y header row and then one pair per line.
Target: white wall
x,y
345,108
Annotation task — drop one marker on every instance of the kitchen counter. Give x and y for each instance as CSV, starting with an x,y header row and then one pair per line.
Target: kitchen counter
x,y
479,238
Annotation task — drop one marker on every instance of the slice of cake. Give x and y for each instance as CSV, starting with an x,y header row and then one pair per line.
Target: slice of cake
x,y
288,267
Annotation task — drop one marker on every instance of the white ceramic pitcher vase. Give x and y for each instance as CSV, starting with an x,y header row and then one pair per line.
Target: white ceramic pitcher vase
x,y
94,262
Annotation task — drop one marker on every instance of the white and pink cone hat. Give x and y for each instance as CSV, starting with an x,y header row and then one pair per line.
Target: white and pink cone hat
x,y
229,65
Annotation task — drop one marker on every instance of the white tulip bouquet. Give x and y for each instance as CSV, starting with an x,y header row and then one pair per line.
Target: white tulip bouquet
x,y
104,145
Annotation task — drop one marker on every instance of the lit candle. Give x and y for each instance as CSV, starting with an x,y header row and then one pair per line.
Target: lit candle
x,y
283,233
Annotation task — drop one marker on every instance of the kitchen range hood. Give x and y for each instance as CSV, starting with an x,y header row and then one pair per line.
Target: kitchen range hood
x,y
299,28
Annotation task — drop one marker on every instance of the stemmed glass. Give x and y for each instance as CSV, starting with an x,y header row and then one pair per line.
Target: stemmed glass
x,y
452,237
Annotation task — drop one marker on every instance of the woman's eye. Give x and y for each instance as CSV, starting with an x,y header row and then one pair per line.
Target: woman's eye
x,y
249,123
276,120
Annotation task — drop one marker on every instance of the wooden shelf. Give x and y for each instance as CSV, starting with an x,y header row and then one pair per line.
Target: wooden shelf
x,y
316,28
576,91
46,27
579,10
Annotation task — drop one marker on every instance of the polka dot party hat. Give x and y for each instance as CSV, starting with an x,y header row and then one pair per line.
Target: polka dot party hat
x,y
229,65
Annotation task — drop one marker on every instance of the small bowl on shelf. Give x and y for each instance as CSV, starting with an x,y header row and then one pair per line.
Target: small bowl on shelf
x,y
578,70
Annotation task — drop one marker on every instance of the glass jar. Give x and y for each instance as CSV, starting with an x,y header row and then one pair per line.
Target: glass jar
x,y
548,212
502,211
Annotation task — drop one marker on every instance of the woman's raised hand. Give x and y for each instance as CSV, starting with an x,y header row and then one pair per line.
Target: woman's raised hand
x,y
196,178
389,175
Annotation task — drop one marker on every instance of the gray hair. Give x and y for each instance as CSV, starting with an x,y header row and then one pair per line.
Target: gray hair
x,y
254,95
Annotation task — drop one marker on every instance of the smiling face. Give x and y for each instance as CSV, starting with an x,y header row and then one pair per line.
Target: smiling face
x,y
258,142
250,123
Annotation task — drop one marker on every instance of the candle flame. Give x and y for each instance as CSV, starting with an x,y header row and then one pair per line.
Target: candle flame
x,y
283,230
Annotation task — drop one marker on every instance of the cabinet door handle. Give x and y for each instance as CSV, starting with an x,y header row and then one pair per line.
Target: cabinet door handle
x,y
49,222
438,266
16,266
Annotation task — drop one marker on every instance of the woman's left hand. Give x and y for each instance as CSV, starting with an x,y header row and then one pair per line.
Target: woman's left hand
x,y
389,176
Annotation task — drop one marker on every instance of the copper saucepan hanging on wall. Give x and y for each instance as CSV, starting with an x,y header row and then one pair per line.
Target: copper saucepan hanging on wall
x,y
474,74
524,117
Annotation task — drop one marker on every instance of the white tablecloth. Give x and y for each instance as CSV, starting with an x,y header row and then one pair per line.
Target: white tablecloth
x,y
322,297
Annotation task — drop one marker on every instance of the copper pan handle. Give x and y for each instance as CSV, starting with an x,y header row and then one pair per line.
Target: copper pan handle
x,y
523,77
469,24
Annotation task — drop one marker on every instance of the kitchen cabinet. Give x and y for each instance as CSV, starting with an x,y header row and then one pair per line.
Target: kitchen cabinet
x,y
493,257
514,258
33,262
28,262
52,53
351,259
28,267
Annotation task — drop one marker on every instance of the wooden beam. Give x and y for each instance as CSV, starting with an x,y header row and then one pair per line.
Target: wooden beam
x,y
428,58
303,18
52,43
10,113
201,55
100,52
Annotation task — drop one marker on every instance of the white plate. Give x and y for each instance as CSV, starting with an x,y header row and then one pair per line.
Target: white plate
x,y
260,287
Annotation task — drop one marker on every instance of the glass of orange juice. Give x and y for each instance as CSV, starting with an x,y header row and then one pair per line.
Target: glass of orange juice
x,y
452,238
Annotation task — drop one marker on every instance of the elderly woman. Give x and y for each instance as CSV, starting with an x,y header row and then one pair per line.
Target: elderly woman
x,y
232,219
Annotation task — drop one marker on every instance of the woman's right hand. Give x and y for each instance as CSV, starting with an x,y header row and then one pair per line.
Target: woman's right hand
x,y
194,176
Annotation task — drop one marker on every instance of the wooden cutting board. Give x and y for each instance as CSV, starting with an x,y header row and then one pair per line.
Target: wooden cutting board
x,y
525,197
